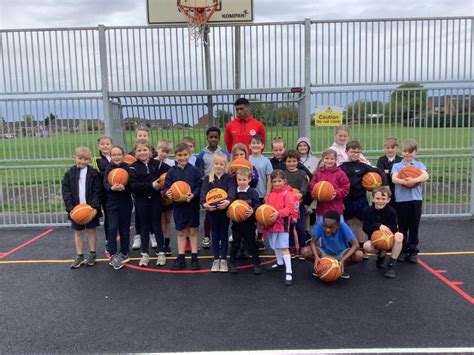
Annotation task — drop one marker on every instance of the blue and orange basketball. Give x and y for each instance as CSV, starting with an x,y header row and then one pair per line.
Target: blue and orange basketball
x,y
214,196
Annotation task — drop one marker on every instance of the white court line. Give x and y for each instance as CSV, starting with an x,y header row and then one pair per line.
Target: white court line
x,y
337,351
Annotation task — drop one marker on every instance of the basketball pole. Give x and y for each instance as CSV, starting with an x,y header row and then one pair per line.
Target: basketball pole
x,y
207,63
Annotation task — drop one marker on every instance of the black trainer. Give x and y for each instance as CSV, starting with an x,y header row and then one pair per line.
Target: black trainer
x,y
413,259
195,264
380,261
257,269
402,257
167,251
233,268
389,271
179,264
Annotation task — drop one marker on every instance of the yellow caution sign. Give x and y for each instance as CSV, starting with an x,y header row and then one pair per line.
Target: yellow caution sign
x,y
327,116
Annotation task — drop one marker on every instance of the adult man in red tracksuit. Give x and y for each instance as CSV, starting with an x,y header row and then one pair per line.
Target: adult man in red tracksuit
x,y
243,127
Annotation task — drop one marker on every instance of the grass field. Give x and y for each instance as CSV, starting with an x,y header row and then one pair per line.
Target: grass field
x,y
32,168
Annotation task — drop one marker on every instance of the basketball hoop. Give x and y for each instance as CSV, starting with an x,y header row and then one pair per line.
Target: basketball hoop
x,y
198,13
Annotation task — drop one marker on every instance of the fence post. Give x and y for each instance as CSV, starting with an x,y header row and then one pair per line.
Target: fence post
x,y
112,122
304,127
207,63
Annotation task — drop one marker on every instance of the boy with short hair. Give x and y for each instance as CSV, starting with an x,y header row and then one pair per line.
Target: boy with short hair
x,y
186,215
193,159
385,162
264,169
356,201
245,231
297,179
381,216
82,184
213,135
409,197
278,149
337,240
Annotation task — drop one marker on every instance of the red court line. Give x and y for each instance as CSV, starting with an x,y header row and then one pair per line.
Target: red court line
x,y
167,271
452,284
46,232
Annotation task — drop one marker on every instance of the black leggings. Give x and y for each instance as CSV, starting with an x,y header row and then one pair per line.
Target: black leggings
x,y
149,212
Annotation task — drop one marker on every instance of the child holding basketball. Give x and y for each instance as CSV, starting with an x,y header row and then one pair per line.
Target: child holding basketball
x,y
82,184
283,200
340,140
119,210
144,175
264,169
245,231
356,201
327,170
297,179
218,178
213,135
186,215
336,240
409,197
163,148
387,161
381,216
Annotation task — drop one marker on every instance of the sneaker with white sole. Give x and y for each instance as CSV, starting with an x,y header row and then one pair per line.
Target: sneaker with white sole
x,y
137,242
216,266
91,259
78,262
153,242
223,266
206,242
117,263
125,258
345,275
144,261
161,259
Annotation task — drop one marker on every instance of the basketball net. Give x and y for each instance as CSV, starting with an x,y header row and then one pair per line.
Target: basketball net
x,y
198,13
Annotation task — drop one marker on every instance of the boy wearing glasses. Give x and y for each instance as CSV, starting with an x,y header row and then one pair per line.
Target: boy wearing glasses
x,y
356,201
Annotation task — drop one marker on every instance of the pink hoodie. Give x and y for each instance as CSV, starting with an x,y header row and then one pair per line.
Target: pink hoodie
x,y
341,184
285,202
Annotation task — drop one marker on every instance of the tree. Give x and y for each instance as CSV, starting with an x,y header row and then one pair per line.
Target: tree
x,y
28,119
2,121
407,102
49,120
222,117
362,110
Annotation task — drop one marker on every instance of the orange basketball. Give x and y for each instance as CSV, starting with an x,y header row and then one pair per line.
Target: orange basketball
x,y
237,210
179,190
129,159
161,179
328,269
371,181
214,196
382,241
410,171
298,194
264,214
239,163
82,214
118,176
323,191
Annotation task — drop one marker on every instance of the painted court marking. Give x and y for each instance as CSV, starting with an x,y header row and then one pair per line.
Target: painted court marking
x,y
21,246
453,284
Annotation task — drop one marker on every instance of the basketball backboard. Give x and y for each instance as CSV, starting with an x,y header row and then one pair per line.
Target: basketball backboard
x,y
165,12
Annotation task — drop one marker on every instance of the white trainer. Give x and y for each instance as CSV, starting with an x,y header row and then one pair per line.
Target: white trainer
x,y
216,266
154,244
137,242
161,259
144,261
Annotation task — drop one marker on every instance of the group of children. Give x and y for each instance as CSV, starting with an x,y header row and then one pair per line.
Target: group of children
x,y
341,226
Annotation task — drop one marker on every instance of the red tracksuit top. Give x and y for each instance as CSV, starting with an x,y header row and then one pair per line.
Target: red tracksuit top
x,y
241,131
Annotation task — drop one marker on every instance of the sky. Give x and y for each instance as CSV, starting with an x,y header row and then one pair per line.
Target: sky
x,y
73,13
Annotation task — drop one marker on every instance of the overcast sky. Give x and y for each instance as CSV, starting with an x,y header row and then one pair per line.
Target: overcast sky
x,y
70,13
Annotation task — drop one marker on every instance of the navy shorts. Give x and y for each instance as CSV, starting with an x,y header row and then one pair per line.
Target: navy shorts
x,y
91,225
355,209
186,214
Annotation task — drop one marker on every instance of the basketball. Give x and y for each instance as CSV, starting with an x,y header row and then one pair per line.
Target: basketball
x,y
298,194
161,179
239,163
323,191
410,171
237,210
129,159
371,181
118,176
263,214
179,190
82,214
328,269
382,241
214,196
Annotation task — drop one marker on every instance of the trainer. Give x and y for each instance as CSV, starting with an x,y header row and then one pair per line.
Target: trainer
x,y
242,127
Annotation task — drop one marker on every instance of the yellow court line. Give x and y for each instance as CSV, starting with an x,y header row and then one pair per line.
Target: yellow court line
x,y
59,261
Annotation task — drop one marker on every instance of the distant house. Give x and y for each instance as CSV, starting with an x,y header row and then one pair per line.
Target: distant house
x,y
203,122
450,104
56,126
131,123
